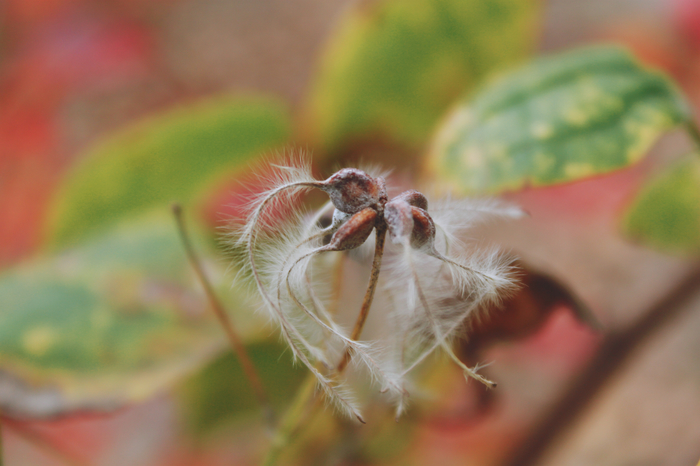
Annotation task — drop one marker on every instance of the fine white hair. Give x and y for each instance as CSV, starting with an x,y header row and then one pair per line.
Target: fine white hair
x,y
432,291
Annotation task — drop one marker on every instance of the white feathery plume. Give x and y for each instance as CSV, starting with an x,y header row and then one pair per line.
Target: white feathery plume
x,y
434,288
436,304
437,307
263,263
455,217
296,285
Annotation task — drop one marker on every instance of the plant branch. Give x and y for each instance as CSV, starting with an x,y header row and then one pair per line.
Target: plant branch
x,y
305,404
302,408
369,294
233,337
614,353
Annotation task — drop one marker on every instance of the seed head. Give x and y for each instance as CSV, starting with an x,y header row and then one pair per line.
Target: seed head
x,y
352,190
354,231
432,282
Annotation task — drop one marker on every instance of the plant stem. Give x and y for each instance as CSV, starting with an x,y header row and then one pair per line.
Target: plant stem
x,y
305,405
369,294
233,337
290,425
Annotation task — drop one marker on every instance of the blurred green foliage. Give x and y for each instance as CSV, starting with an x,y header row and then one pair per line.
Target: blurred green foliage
x,y
220,393
666,213
559,119
112,321
393,67
167,158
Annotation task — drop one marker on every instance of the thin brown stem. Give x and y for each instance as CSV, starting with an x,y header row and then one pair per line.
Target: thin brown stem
x,y
305,404
295,418
330,327
233,337
369,294
615,351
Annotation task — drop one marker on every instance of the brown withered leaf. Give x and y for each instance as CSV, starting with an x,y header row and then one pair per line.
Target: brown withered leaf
x,y
526,311
521,315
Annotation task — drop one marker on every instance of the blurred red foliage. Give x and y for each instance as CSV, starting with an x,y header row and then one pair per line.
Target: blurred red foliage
x,y
54,50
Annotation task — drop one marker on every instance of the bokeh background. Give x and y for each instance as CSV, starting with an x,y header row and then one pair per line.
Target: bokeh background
x,y
75,73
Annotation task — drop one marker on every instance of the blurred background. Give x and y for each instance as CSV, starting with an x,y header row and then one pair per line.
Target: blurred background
x,y
182,97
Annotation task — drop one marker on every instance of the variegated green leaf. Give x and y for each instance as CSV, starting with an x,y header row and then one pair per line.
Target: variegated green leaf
x,y
170,157
666,213
559,119
111,322
394,66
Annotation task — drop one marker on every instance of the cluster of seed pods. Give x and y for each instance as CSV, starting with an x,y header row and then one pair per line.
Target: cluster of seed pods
x,y
362,205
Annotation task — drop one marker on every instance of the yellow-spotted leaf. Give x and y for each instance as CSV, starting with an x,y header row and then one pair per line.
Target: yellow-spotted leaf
x,y
166,158
666,213
113,322
394,66
559,119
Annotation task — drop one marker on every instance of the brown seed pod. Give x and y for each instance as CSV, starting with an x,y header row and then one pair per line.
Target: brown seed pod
x,y
354,231
408,222
399,219
414,198
352,190
423,234
419,291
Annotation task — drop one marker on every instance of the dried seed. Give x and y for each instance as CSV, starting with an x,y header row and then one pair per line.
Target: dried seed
x,y
414,198
354,231
352,190
399,219
423,234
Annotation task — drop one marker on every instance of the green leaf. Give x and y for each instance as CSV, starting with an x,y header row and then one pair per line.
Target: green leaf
x,y
666,213
170,157
394,66
558,119
112,322
220,393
